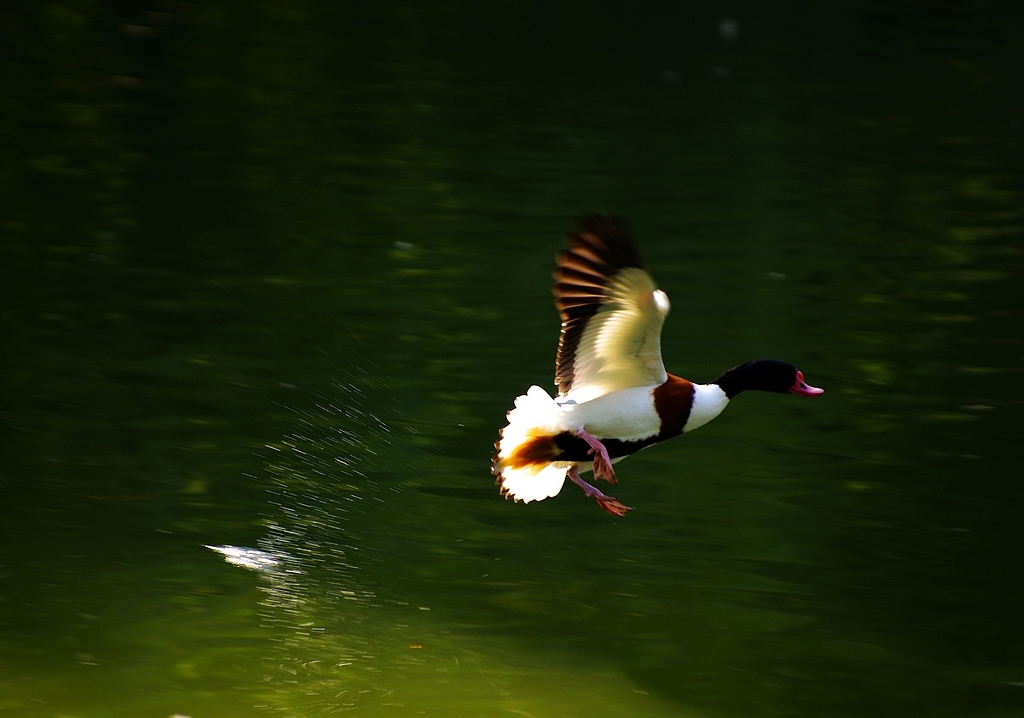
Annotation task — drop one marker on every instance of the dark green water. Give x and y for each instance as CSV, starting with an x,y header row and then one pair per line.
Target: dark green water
x,y
272,273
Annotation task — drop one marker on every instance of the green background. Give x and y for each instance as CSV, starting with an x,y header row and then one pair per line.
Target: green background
x,y
271,273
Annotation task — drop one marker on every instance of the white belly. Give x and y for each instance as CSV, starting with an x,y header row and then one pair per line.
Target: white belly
x,y
627,414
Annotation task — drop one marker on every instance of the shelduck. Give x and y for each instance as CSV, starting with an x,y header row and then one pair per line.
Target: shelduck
x,y
614,395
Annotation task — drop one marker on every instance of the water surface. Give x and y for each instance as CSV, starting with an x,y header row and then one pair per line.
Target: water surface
x,y
273,275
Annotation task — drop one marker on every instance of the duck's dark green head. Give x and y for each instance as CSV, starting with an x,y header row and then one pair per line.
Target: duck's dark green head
x,y
766,375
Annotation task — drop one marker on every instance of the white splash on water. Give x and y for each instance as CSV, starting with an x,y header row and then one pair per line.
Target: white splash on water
x,y
251,558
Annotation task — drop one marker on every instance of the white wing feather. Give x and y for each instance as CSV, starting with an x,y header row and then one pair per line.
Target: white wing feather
x,y
620,347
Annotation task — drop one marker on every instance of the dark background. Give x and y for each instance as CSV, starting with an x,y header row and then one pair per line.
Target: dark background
x,y
272,272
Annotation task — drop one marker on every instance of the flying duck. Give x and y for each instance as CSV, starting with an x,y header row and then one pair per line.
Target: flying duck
x,y
614,395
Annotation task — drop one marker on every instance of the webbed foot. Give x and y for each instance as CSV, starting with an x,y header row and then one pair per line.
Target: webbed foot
x,y
609,503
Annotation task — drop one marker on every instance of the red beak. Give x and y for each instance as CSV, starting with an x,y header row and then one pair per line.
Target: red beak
x,y
803,388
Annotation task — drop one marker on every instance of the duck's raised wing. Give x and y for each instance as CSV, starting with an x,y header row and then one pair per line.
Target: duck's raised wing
x,y
611,314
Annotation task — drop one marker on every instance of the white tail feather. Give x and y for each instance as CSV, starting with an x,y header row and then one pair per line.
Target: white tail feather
x,y
535,414
534,484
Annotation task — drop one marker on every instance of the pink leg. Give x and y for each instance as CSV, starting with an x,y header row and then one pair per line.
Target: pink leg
x,y
602,462
609,503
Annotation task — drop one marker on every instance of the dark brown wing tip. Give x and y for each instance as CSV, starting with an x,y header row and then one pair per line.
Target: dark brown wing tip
x,y
608,237
596,251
